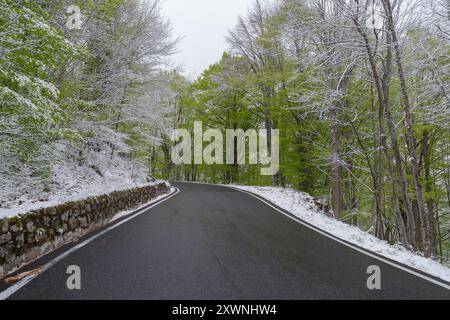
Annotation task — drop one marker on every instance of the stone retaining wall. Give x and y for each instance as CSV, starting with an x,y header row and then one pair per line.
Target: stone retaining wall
x,y
26,237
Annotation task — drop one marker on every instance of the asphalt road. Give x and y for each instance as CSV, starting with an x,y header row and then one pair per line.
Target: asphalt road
x,y
212,242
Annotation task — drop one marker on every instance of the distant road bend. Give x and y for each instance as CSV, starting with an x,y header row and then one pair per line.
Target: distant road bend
x,y
211,242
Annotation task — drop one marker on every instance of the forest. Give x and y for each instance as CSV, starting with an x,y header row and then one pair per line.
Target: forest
x,y
358,89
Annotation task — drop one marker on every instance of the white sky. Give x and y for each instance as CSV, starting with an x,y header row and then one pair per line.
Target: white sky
x,y
203,24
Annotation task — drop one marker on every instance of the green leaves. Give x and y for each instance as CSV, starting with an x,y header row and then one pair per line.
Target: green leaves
x,y
31,51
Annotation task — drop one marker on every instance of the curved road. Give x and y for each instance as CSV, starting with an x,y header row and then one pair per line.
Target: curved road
x,y
212,242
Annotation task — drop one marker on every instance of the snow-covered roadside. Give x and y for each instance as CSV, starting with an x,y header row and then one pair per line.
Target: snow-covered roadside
x,y
123,214
72,177
91,190
302,205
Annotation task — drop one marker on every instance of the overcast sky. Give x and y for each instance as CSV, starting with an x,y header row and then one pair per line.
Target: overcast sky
x,y
203,24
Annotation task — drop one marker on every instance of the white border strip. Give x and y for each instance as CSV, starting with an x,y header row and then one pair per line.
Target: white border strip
x,y
19,285
354,247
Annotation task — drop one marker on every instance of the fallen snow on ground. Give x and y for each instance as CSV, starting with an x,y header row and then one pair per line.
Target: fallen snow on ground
x,y
302,206
73,177
55,200
129,212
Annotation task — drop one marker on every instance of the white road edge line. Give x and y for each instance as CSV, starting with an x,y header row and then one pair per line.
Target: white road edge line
x,y
19,285
354,247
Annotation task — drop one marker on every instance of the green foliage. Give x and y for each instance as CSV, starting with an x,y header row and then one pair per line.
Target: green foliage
x,y
31,49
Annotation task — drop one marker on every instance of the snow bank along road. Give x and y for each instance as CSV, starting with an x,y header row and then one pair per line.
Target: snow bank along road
x,y
210,242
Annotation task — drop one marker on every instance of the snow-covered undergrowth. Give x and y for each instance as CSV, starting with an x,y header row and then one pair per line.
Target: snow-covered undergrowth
x,y
302,206
74,174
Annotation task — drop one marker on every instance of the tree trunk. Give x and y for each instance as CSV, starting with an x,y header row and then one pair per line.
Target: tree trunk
x,y
377,175
425,228
429,189
336,132
382,86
